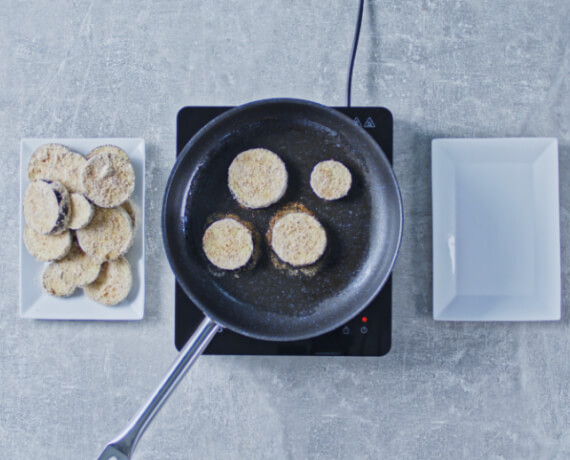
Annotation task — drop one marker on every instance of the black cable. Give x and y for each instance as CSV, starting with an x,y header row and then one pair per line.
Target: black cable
x,y
354,47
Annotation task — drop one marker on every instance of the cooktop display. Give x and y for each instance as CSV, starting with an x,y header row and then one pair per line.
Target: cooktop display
x,y
369,334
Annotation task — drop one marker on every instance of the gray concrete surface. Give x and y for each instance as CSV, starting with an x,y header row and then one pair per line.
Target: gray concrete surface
x,y
124,68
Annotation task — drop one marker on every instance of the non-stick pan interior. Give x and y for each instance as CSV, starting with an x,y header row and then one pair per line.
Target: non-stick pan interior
x,y
271,300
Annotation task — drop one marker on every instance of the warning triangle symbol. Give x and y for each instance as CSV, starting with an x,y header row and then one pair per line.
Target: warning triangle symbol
x,y
357,122
369,123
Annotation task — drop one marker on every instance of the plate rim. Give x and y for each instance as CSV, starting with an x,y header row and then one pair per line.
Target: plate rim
x,y
442,149
133,311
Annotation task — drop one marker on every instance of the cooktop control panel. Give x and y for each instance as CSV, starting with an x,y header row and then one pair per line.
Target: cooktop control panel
x,y
368,334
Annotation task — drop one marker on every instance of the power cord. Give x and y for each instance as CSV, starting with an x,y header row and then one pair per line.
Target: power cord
x,y
354,47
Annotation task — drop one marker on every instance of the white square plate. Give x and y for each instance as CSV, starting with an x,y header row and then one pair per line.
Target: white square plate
x,y
496,232
34,302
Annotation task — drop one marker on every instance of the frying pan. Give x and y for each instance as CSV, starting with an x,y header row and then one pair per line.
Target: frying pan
x,y
272,301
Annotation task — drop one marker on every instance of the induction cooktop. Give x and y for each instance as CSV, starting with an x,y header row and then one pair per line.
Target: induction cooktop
x,y
368,334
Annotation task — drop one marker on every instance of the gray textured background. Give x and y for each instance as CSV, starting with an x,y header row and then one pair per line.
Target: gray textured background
x,y
123,68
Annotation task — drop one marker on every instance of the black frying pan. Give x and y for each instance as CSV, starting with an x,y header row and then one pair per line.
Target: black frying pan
x,y
363,229
271,301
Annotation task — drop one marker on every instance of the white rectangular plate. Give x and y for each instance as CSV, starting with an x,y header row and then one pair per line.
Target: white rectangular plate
x,y
496,232
34,302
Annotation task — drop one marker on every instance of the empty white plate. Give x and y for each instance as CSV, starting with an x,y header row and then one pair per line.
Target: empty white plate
x,y
496,232
34,302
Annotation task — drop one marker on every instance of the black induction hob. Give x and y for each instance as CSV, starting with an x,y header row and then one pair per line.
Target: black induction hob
x,y
369,334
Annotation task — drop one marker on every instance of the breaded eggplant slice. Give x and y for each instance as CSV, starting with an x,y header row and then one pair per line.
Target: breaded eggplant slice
x,y
331,180
77,268
55,162
298,238
113,283
47,207
46,248
228,244
54,281
257,178
81,211
108,236
109,179
133,211
107,148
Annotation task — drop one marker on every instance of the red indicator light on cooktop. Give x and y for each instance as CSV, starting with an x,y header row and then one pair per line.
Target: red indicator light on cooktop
x,y
364,319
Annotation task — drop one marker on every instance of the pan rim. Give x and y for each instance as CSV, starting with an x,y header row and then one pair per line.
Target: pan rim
x,y
288,336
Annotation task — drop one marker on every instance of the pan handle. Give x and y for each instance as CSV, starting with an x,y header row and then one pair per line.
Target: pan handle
x,y
123,445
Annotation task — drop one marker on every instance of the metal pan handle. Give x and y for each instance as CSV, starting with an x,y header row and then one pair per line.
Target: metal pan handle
x,y
122,447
